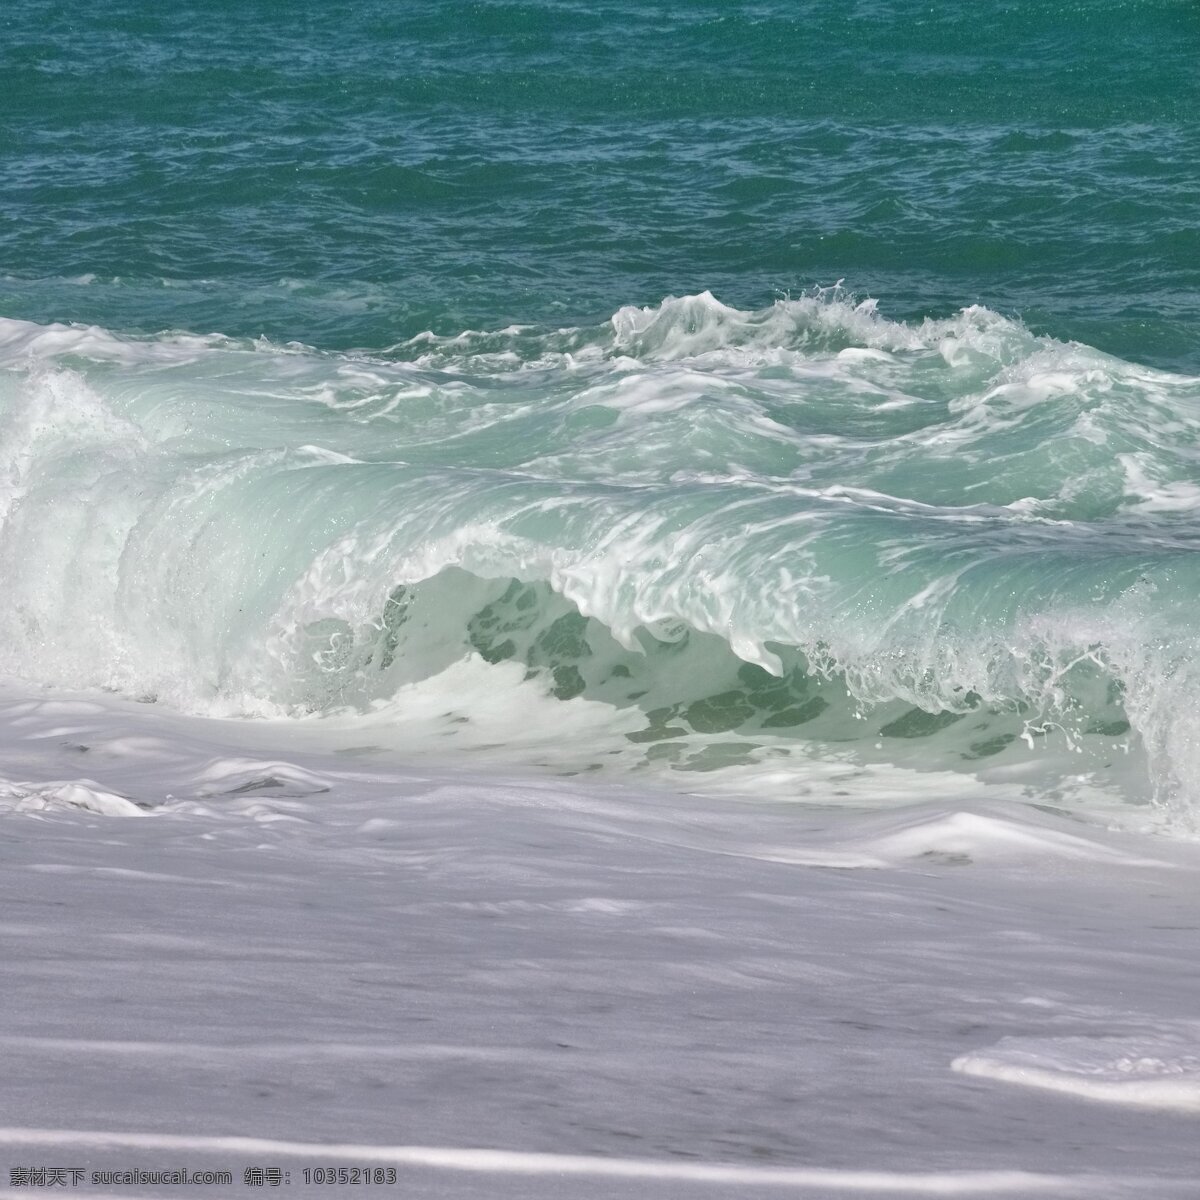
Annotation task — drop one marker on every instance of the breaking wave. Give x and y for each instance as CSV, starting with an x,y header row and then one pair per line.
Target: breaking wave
x,y
748,537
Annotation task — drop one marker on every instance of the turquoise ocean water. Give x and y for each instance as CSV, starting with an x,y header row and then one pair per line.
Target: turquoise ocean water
x,y
798,382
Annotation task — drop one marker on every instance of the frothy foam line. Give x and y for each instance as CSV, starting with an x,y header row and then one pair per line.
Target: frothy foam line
x,y
1157,1070
699,327
508,1162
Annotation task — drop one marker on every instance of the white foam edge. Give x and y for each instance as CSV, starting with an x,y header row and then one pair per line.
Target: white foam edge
x,y
1157,1073
514,1162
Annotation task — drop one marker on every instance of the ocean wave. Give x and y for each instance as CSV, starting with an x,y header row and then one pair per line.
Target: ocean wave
x,y
950,542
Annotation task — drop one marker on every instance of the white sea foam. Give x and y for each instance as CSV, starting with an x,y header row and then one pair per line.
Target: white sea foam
x,y
1156,1070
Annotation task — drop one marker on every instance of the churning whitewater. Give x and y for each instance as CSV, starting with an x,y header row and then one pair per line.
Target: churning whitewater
x,y
723,547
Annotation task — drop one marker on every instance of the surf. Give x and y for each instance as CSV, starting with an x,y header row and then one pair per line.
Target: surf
x,y
742,542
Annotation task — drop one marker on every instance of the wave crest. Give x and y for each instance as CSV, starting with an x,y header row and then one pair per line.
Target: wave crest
x,y
953,528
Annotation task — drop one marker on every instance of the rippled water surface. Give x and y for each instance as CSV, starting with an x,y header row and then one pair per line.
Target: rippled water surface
x,y
349,174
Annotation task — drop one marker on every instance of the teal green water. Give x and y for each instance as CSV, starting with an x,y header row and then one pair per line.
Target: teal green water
x,y
341,347
349,174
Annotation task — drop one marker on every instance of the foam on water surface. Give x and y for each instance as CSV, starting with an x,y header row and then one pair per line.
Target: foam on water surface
x,y
542,979
1159,1071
